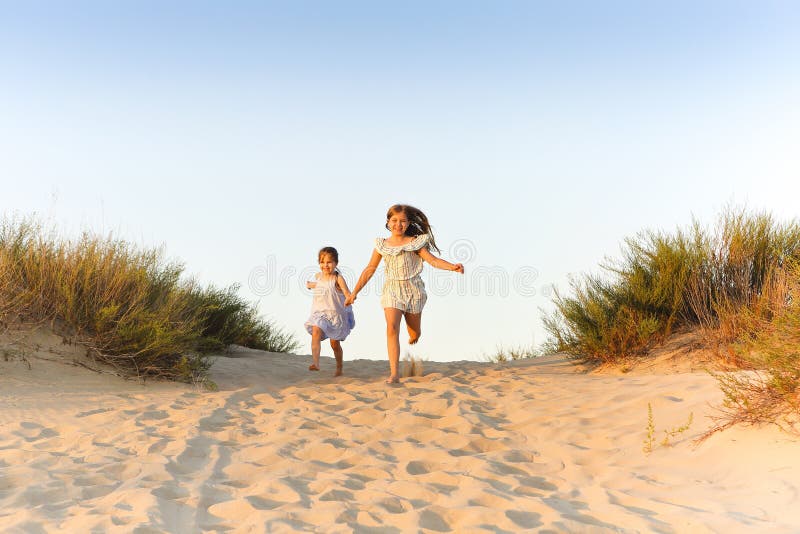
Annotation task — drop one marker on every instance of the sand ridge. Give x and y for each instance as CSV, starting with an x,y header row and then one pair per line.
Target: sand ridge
x,y
526,446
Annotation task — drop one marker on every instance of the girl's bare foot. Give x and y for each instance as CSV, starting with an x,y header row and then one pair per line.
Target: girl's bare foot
x,y
393,380
313,367
413,339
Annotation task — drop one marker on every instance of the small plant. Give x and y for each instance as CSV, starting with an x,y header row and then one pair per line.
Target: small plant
x,y
194,370
651,431
502,354
677,431
10,355
650,438
770,393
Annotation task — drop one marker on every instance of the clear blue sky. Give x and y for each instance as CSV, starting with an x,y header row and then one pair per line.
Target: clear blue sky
x,y
536,136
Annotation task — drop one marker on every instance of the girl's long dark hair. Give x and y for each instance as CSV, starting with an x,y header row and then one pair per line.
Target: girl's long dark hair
x,y
417,222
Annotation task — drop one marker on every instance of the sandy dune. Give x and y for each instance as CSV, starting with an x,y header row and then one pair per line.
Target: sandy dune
x,y
533,445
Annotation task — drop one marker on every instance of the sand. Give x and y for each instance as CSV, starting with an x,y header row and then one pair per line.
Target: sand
x,y
536,445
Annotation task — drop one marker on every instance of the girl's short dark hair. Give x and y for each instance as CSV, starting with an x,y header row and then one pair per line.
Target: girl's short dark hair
x,y
330,251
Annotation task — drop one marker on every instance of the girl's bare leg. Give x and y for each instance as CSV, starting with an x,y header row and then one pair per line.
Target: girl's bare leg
x,y
414,326
393,316
339,354
316,340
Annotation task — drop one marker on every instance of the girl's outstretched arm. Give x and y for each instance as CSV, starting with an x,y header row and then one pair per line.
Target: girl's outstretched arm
x,y
311,284
366,274
439,263
340,281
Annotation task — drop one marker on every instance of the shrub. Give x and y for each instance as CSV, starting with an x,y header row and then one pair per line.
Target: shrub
x,y
694,277
130,307
228,320
771,392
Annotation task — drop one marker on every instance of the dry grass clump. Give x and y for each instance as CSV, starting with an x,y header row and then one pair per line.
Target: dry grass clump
x,y
669,434
771,346
130,307
738,284
718,280
503,354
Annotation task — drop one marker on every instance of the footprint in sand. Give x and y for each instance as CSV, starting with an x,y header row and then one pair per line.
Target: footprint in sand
x,y
285,490
158,446
37,496
364,416
436,520
354,483
95,492
393,505
470,392
538,483
122,471
390,403
519,457
338,495
524,519
171,492
94,412
413,392
91,480
489,500
8,483
368,473
261,503
420,468
218,421
31,432
321,452
481,445
382,456
153,415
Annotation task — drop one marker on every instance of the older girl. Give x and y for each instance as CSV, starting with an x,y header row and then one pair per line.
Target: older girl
x,y
403,252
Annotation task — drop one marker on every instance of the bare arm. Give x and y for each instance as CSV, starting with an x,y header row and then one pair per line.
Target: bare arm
x,y
439,263
311,284
340,281
366,274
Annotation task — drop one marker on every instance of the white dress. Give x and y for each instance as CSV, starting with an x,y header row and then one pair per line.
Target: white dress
x,y
329,313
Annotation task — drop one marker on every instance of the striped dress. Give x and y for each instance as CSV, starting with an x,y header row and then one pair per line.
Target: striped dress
x,y
403,289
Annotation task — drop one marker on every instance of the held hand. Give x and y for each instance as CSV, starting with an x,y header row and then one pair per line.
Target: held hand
x,y
349,300
459,268
310,285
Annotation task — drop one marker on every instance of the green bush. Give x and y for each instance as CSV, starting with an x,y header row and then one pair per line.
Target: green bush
x,y
130,307
228,320
694,277
770,393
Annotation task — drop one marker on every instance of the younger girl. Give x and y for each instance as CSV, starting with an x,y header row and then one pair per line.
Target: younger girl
x,y
330,318
404,294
